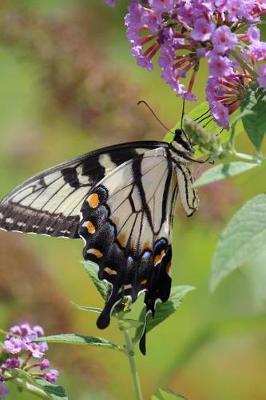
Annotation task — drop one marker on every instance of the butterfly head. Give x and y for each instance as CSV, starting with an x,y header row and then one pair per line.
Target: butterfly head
x,y
182,144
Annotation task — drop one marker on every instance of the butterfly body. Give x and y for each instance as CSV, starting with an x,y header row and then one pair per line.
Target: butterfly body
x,y
121,201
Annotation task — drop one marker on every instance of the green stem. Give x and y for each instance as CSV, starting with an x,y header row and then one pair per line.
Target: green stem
x,y
246,157
132,362
35,390
243,63
231,151
22,384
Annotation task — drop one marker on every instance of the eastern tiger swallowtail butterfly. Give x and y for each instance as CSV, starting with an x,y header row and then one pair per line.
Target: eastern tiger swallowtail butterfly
x,y
121,201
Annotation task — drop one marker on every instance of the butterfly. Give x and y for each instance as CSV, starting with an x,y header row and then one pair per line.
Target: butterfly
x,y
121,201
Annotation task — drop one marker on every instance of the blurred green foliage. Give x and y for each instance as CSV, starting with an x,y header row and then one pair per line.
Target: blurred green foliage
x,y
214,347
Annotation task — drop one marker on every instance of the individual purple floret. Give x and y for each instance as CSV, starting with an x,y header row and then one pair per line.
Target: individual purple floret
x,y
21,351
203,30
223,40
37,349
11,363
51,376
219,66
14,345
44,364
253,34
182,33
220,113
38,330
162,5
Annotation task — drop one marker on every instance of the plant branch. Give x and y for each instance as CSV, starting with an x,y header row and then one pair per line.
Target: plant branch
x,y
132,362
246,157
35,390
22,384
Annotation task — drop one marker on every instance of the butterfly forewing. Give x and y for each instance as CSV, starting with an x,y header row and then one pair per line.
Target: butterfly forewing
x,y
50,202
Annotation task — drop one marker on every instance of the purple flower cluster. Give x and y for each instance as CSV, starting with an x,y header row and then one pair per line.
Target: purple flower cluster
x,y
21,351
184,32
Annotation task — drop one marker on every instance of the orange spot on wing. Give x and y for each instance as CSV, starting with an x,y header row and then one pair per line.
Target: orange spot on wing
x,y
97,253
158,258
168,268
93,200
147,246
122,239
91,228
110,271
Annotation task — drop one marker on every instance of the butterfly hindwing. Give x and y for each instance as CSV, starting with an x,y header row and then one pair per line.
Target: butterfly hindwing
x,y
50,202
126,226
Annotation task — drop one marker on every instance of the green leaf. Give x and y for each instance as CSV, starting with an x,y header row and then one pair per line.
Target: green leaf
x,y
253,106
102,287
128,323
223,171
163,394
241,240
55,392
255,274
73,338
163,310
39,387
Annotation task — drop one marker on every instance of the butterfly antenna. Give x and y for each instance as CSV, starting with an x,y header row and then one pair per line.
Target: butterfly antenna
x,y
207,122
155,116
205,114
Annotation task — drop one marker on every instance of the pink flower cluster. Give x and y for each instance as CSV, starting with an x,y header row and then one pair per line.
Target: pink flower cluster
x,y
21,351
184,32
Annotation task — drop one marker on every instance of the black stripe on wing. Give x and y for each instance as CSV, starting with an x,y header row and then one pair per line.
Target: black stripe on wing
x,y
50,202
188,195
